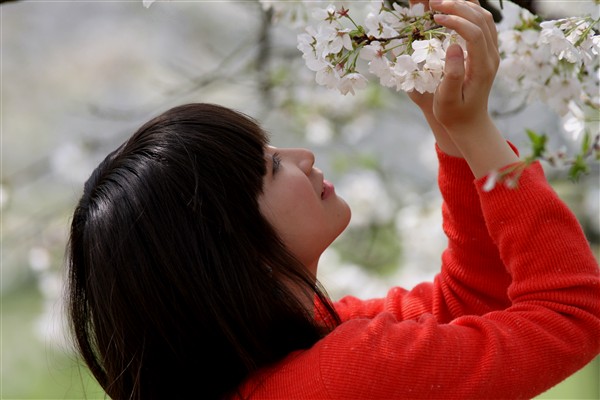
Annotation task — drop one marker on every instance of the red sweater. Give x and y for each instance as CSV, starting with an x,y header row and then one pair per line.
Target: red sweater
x,y
514,310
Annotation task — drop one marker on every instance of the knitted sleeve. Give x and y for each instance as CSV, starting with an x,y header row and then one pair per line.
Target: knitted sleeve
x,y
549,330
473,279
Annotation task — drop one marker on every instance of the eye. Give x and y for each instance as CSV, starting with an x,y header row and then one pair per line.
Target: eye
x,y
276,162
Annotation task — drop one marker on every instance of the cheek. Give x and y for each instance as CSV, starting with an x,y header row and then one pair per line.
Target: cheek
x,y
291,209
299,219
278,207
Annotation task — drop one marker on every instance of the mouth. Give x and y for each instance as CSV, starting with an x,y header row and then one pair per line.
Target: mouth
x,y
328,189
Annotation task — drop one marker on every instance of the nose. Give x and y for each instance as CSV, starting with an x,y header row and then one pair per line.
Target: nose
x,y
306,160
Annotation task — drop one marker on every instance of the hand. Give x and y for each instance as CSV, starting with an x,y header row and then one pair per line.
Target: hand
x,y
461,100
462,97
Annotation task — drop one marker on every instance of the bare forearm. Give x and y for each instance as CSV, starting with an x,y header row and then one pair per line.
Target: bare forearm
x,y
481,144
442,138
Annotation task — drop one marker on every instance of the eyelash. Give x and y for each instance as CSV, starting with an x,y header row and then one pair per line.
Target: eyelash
x,y
276,162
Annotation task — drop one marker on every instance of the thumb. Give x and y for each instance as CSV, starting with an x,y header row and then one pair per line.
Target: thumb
x,y
450,90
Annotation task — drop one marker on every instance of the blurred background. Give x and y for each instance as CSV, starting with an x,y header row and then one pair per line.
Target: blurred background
x,y
78,78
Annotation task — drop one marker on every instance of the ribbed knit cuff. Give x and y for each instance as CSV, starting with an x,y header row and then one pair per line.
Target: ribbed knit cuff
x,y
512,202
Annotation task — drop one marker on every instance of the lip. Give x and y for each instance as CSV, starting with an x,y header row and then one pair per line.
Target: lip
x,y
328,189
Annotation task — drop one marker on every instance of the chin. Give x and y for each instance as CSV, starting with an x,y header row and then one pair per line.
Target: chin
x,y
346,215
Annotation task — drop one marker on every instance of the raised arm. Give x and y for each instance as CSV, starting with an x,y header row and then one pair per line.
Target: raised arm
x,y
473,279
461,101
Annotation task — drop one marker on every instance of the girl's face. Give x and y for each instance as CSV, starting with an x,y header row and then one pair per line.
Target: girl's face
x,y
302,207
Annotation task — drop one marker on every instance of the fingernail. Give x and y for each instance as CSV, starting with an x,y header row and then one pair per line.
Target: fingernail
x,y
440,18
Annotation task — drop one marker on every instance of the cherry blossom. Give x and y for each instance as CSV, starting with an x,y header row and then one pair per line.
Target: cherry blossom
x,y
351,81
428,50
378,27
328,76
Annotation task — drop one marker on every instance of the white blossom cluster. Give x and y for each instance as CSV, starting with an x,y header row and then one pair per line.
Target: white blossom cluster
x,y
556,62
402,46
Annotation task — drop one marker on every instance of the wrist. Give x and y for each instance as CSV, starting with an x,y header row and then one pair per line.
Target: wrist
x,y
442,138
483,147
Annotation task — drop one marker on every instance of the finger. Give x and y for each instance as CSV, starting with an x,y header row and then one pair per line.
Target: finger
x,y
450,90
471,12
480,61
484,19
489,21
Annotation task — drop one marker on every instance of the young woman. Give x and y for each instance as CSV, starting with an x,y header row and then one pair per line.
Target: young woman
x,y
195,245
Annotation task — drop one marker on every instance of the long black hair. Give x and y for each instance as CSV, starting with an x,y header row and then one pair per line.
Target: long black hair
x,y
176,283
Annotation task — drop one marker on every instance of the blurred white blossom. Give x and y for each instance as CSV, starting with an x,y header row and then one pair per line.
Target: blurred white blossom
x,y
553,61
419,227
342,278
368,198
319,130
71,162
574,121
39,258
293,12
51,325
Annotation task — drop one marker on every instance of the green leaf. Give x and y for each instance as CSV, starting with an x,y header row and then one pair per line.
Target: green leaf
x,y
538,143
359,31
587,142
578,168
